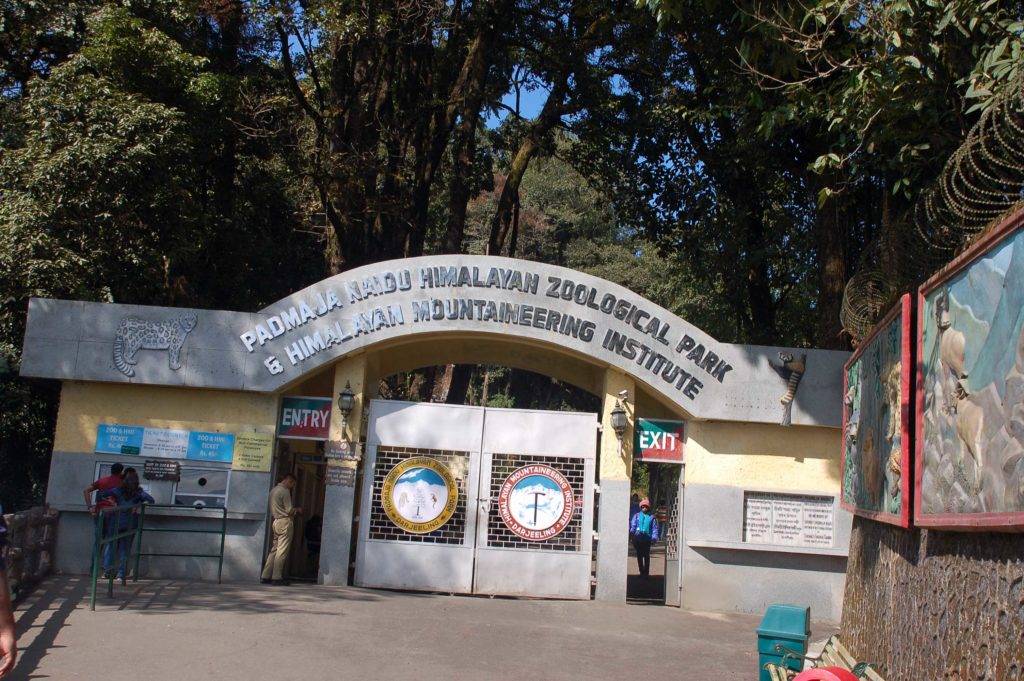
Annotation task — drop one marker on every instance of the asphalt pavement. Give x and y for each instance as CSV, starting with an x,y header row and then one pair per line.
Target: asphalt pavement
x,y
174,630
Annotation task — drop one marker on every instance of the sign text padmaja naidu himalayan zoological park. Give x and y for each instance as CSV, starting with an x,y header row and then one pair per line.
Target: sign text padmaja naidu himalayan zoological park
x,y
312,326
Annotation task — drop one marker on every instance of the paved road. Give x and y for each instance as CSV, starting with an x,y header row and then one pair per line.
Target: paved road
x,y
169,631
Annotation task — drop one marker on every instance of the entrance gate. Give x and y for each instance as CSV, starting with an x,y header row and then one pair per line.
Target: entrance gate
x,y
473,500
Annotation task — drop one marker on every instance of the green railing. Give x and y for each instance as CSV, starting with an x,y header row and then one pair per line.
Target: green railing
x,y
101,540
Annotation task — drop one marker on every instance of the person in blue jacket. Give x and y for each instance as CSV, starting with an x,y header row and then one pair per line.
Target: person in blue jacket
x,y
644,530
128,494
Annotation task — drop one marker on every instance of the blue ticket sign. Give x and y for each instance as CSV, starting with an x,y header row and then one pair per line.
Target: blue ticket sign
x,y
211,446
114,439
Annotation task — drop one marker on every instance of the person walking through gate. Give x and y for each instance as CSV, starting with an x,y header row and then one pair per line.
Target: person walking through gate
x,y
643,528
281,514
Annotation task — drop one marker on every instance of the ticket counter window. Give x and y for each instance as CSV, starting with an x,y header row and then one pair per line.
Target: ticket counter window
x,y
202,487
103,470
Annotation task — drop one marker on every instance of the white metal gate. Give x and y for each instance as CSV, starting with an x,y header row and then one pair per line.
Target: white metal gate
x,y
521,523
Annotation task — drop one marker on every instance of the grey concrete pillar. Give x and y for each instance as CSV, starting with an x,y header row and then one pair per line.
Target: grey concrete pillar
x,y
336,537
613,541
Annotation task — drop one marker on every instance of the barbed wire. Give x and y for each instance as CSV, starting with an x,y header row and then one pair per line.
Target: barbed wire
x,y
980,183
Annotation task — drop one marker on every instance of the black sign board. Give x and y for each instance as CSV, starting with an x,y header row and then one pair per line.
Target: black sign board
x,y
342,450
162,469
342,476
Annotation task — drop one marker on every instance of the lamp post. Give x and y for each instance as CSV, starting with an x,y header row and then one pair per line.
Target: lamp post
x,y
346,402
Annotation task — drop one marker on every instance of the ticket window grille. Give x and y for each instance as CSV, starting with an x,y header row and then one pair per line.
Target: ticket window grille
x,y
202,487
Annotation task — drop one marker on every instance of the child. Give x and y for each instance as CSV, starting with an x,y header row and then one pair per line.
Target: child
x,y
643,528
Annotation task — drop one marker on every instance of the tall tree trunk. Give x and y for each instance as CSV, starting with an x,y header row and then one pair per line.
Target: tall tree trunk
x,y
545,122
459,190
830,239
459,385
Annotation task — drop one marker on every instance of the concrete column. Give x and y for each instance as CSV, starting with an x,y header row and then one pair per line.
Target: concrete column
x,y
339,500
616,467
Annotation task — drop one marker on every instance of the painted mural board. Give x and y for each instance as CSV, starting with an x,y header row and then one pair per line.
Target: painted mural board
x,y
876,462
970,391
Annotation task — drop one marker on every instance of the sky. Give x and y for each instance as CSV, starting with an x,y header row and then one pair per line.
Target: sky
x,y
530,104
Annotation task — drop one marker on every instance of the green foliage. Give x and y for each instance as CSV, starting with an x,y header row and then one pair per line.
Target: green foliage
x,y
729,166
125,178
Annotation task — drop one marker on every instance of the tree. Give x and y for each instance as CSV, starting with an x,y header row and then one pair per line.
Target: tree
x,y
132,172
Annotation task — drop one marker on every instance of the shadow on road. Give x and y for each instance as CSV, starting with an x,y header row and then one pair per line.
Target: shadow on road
x,y
40,618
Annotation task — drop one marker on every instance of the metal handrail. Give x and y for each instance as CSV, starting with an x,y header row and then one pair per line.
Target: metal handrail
x,y
100,541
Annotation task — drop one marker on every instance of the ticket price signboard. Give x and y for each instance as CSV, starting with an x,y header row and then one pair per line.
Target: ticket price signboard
x,y
112,438
211,446
789,520
163,443
659,440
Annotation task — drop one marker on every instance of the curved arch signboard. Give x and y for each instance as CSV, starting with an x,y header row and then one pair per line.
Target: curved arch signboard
x,y
519,300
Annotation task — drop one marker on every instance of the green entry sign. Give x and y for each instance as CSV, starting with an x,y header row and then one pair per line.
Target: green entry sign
x,y
305,418
659,440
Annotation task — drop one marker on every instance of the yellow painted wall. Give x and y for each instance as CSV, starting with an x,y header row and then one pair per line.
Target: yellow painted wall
x,y
83,406
763,456
616,455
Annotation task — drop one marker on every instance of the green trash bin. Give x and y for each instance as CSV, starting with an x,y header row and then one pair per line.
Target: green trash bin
x,y
788,626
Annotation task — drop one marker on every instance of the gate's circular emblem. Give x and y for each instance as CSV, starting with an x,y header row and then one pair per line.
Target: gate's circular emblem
x,y
419,495
536,502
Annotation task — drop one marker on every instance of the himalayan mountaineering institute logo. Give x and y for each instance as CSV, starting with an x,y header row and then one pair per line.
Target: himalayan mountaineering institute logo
x,y
536,502
419,495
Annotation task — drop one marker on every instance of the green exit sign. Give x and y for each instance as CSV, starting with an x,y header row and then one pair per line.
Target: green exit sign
x,y
659,440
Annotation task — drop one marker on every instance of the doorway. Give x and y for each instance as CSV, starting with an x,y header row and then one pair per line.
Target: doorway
x,y
305,460
477,500
662,484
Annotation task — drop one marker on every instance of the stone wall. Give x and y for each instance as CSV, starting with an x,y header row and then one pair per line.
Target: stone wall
x,y
925,604
29,554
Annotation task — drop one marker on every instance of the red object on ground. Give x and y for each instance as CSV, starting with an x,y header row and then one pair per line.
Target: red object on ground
x,y
826,674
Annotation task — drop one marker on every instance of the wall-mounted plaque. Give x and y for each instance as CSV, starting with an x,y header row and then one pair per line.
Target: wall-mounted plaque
x,y
341,450
788,520
253,452
341,476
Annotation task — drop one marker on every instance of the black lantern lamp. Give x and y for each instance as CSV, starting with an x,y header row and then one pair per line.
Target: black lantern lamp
x,y
346,402
619,421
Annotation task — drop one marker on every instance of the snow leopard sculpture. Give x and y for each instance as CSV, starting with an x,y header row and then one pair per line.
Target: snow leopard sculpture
x,y
134,334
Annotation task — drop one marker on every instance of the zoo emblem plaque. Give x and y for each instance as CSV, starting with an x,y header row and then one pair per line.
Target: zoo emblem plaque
x,y
536,502
419,495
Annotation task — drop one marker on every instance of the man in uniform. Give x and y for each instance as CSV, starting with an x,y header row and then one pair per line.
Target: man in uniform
x,y
281,514
8,649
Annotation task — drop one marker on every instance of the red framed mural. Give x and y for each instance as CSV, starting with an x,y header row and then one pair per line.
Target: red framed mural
x,y
970,388
877,401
